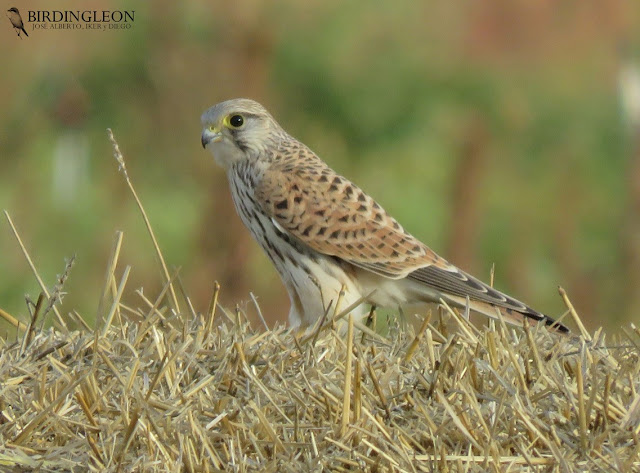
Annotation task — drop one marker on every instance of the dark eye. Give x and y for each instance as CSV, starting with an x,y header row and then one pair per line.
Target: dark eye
x,y
236,121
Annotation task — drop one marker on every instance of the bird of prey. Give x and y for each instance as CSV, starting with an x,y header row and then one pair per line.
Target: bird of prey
x,y
16,20
324,234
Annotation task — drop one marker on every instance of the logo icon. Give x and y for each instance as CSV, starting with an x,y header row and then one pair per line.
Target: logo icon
x,y
16,20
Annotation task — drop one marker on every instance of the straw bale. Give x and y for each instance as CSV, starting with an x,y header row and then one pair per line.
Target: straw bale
x,y
161,391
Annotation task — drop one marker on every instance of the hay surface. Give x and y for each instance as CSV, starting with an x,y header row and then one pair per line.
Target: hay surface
x,y
157,392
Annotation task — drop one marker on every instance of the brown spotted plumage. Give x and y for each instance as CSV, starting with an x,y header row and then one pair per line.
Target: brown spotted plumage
x,y
323,233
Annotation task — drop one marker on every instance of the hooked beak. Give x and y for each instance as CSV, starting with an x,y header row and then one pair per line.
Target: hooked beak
x,y
210,136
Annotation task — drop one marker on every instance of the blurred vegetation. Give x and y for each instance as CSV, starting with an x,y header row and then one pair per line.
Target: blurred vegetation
x,y
494,132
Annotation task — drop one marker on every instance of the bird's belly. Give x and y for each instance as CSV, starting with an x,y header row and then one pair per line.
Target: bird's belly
x,y
314,283
381,291
313,280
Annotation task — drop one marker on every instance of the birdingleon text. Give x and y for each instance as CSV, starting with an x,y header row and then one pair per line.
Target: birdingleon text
x,y
86,16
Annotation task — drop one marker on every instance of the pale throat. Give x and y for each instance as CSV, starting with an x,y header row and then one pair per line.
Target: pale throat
x,y
225,153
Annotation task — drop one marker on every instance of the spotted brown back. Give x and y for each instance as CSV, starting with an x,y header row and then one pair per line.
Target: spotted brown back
x,y
335,217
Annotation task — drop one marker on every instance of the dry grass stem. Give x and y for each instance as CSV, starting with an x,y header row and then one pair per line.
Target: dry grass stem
x,y
123,168
43,288
574,314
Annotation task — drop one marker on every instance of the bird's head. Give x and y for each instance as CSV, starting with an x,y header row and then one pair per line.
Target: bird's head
x,y
238,129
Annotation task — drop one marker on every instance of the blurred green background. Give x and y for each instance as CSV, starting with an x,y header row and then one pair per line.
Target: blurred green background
x,y
498,132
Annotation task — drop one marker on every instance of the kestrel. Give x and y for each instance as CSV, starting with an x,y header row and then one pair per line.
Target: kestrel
x,y
323,233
